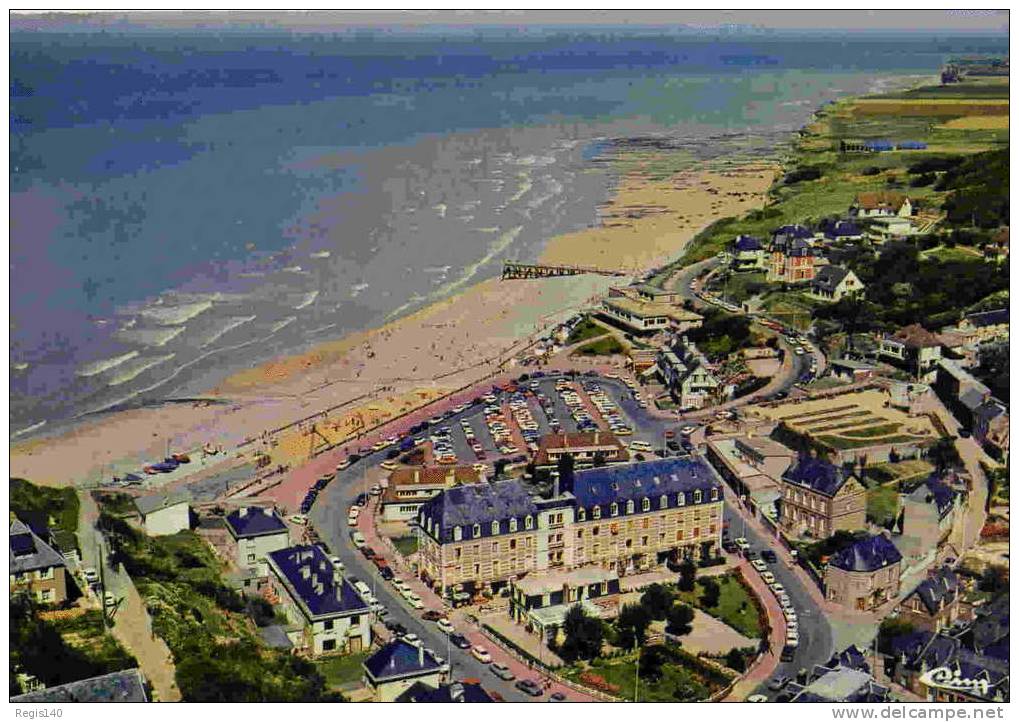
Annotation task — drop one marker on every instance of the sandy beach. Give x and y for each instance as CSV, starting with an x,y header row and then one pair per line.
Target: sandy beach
x,y
408,362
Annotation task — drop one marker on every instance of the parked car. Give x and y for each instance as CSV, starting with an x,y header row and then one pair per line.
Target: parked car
x,y
769,556
529,686
432,616
91,575
757,698
386,573
557,697
502,671
459,641
788,653
445,625
481,654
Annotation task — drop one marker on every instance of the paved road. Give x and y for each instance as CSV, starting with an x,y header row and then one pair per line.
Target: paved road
x,y
816,640
329,517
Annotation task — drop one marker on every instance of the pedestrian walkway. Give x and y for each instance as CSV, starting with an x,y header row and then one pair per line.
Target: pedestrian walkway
x,y
767,662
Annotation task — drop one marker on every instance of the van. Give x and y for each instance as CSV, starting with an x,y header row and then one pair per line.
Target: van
x,y
363,589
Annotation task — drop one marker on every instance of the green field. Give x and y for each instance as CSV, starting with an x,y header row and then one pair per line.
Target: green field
x,y
584,330
602,347
342,670
61,505
406,545
736,607
882,504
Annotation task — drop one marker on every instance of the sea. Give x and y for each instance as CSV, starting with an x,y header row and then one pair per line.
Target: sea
x,y
185,204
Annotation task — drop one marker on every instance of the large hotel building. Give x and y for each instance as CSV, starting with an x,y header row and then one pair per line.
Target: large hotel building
x,y
628,517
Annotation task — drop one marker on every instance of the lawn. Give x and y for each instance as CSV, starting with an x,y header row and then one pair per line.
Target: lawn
x,y
406,545
791,308
736,607
60,504
899,471
584,330
683,678
342,670
602,347
738,287
882,505
838,442
870,432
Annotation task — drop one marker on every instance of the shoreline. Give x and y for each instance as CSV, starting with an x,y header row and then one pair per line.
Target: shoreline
x,y
447,344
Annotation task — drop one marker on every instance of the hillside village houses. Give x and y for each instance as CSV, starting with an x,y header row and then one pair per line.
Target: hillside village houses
x,y
981,327
687,375
254,533
325,612
753,467
935,602
629,517
864,575
748,254
927,513
648,317
840,231
410,487
819,498
400,665
833,283
36,567
587,449
913,348
792,255
165,513
881,204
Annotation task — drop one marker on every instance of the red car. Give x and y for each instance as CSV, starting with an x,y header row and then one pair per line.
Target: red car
x,y
380,562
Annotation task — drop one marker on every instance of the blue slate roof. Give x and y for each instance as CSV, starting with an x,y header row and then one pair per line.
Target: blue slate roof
x,y
455,692
829,277
792,231
936,491
624,482
841,229
481,504
746,243
940,587
923,651
400,659
988,318
125,686
313,582
866,555
254,522
817,475
29,552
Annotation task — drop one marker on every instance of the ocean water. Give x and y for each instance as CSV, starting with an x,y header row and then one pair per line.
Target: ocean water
x,y
183,205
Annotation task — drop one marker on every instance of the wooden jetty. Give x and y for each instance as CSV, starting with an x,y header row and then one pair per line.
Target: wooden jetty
x,y
512,270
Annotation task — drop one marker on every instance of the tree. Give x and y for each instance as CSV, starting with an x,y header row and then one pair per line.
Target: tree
x,y
656,600
632,623
710,593
892,627
943,454
687,575
583,635
994,580
736,660
499,468
565,468
679,620
652,659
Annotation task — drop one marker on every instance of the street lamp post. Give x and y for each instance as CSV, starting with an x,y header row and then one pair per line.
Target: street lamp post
x,y
743,501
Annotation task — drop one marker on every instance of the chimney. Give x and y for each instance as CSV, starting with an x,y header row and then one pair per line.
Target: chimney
x,y
268,511
555,484
596,437
305,572
243,511
421,654
417,475
338,581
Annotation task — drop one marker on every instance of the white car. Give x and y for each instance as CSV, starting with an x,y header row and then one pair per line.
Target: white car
x,y
768,577
299,519
445,625
345,464
481,654
411,637
358,539
390,465
757,698
91,575
778,589
759,565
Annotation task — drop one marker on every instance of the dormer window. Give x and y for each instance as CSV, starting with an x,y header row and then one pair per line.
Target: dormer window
x,y
581,514
457,533
614,509
714,494
528,522
680,499
495,527
476,531
513,525
596,512
645,505
663,503
697,496
629,506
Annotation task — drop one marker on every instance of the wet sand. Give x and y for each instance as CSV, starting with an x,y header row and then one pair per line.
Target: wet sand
x,y
445,346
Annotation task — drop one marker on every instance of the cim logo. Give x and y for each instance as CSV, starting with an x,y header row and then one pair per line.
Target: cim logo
x,y
944,678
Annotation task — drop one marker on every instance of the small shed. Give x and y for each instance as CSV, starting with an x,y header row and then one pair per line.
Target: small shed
x,y
166,513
